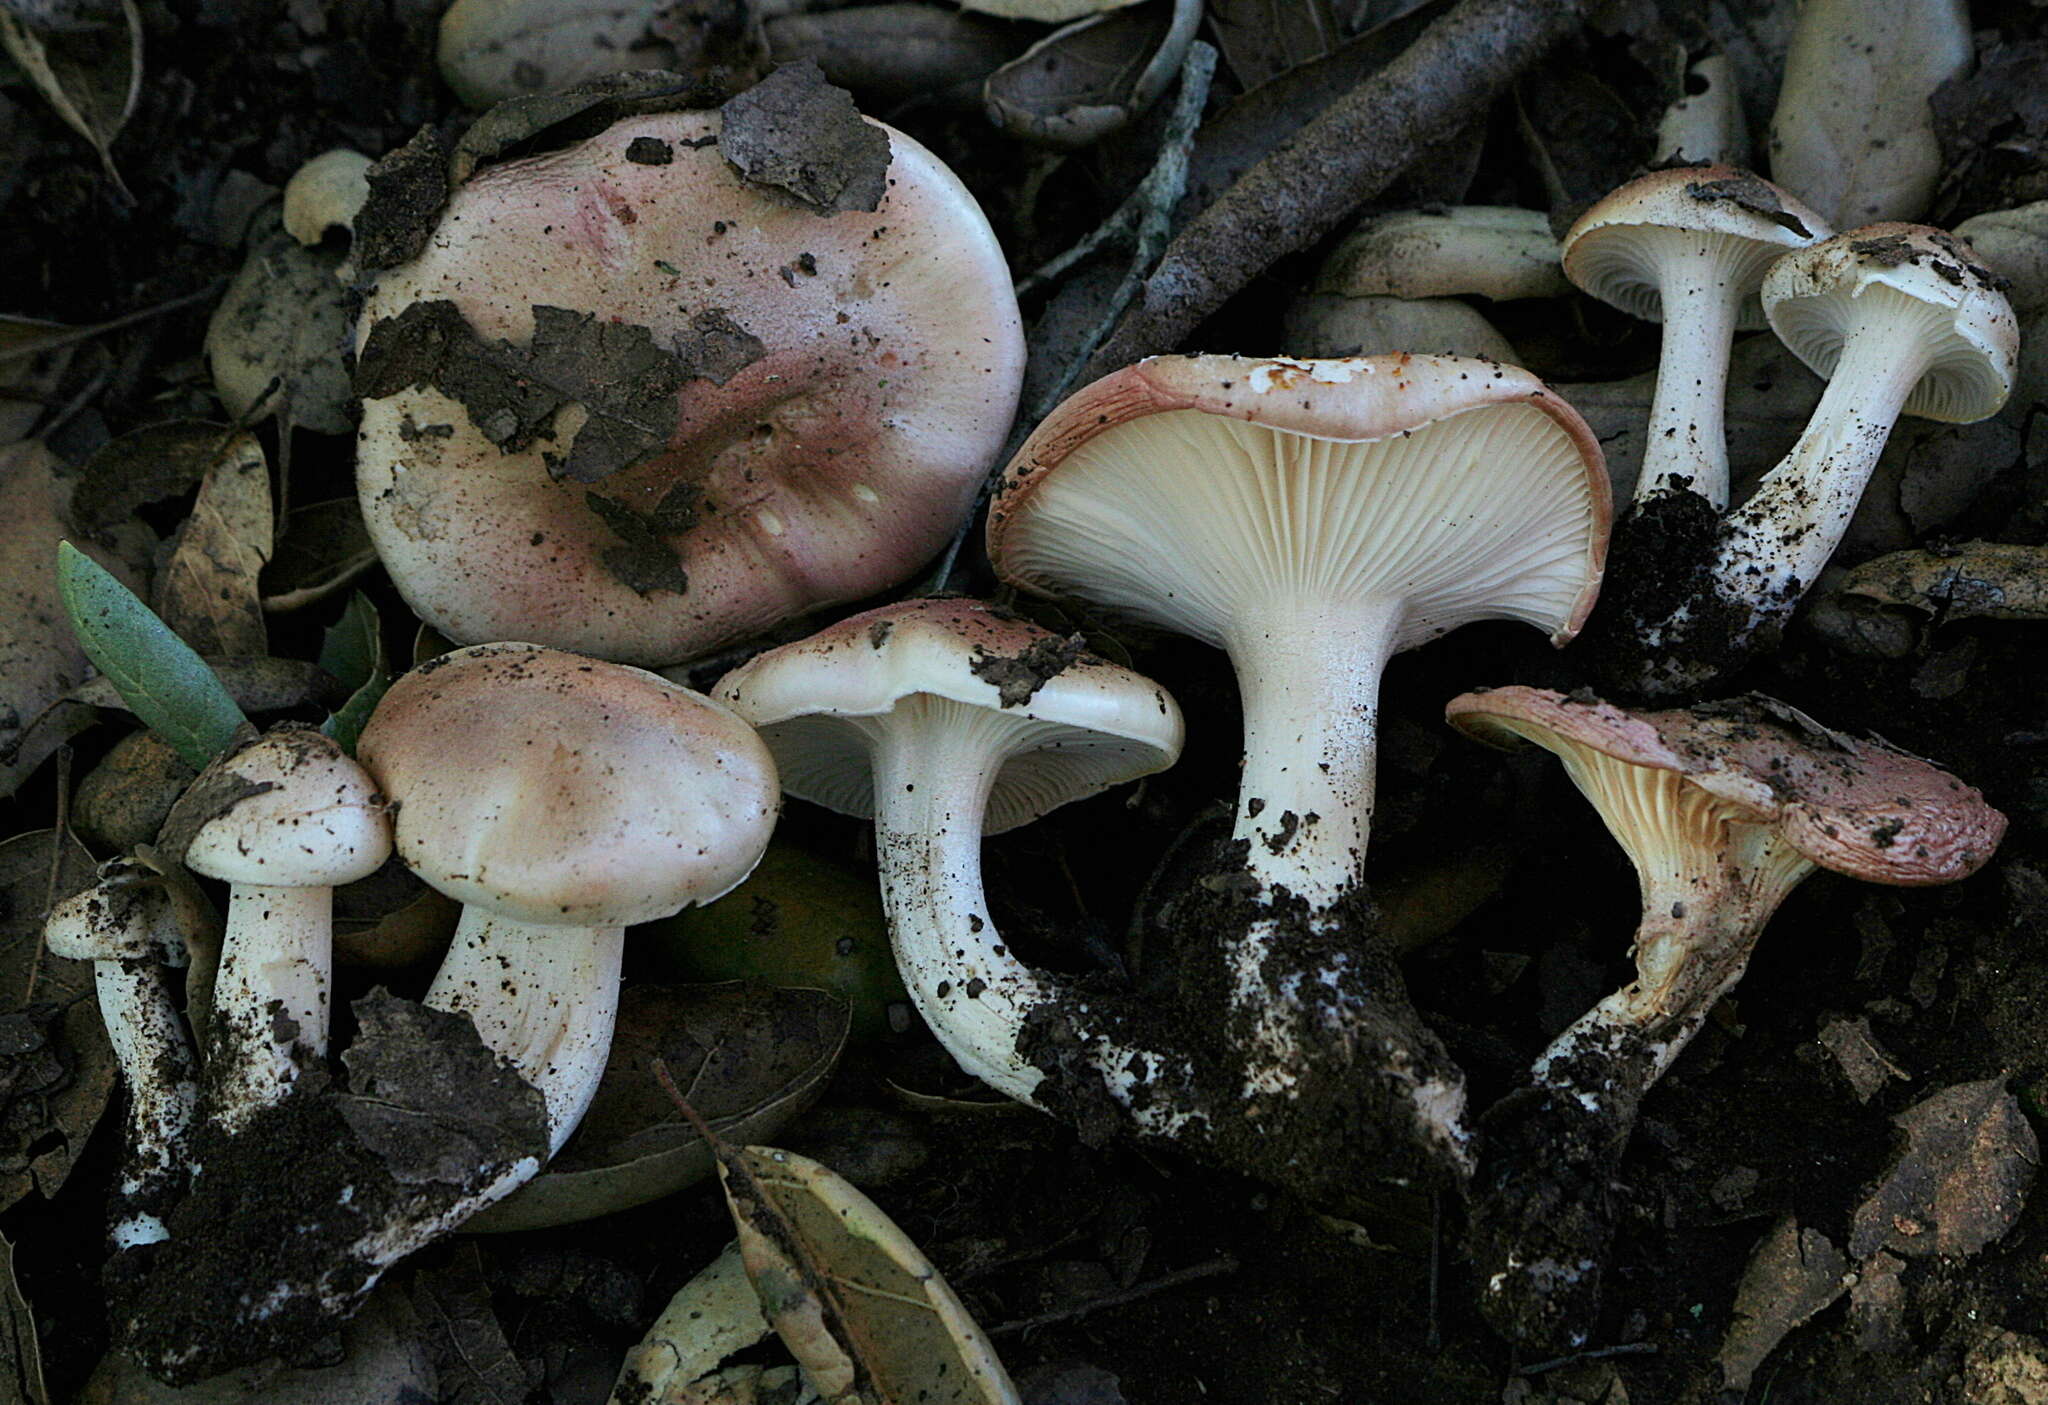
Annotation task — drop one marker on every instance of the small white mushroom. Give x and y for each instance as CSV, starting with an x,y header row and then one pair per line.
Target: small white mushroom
x,y
326,194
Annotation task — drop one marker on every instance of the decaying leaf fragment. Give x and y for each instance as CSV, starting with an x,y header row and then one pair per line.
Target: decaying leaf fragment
x,y
207,590
1961,1181
278,337
1093,77
858,1304
712,1316
799,134
1973,580
1792,1275
21,1357
91,74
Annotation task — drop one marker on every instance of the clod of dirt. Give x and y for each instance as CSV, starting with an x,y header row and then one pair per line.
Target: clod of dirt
x,y
1751,193
1961,1181
1661,562
796,132
408,187
1018,676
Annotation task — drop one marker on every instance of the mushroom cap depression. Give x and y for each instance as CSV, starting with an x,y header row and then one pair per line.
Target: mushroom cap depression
x,y
1973,335
1084,724
1185,490
566,791
308,817
1856,806
844,381
1741,222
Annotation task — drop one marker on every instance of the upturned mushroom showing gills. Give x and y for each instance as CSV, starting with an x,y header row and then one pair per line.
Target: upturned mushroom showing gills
x,y
1314,518
1723,809
1901,320
283,821
944,721
630,404
1688,247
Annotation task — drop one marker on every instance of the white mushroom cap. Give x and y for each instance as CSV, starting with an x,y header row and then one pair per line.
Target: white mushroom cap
x,y
1623,248
326,193
1084,724
564,791
317,822
1971,333
1494,251
1464,487
827,469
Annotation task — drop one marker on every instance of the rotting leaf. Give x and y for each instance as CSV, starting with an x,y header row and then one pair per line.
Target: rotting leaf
x,y
474,1364
1857,1055
749,1057
256,685
57,1069
714,1315
797,133
1043,11
90,73
1093,77
207,590
642,559
1961,1181
431,1099
284,323
143,466
23,1366
158,675
1792,1275
523,125
849,1294
1751,193
1263,39
626,382
321,548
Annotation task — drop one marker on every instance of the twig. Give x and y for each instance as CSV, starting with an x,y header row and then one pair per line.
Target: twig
x,y
1211,1268
65,336
1351,151
1144,220
59,832
1597,1354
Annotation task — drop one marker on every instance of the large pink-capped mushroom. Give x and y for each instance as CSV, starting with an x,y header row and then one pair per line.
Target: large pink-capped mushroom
x,y
1314,518
1723,809
846,379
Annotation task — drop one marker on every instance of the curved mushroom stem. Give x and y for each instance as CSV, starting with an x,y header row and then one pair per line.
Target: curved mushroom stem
x,y
1687,442
1543,1215
935,763
270,998
543,998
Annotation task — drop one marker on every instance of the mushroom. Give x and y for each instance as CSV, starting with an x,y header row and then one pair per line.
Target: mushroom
x,y
1688,247
842,382
325,194
282,819
943,721
1314,518
1723,809
561,800
1705,123
1900,319
1854,131
1394,283
131,925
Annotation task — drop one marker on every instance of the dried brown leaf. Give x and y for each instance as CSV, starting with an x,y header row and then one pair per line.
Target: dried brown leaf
x,y
796,133
279,338
90,74
21,1356
1262,39
321,548
1961,1181
207,590
473,1362
1091,78
1792,1275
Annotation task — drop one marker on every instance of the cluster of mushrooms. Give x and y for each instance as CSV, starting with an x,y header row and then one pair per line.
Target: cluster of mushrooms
x,y
1311,517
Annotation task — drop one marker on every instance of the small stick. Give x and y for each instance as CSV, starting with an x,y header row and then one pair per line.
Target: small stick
x,y
1211,1268
1597,1354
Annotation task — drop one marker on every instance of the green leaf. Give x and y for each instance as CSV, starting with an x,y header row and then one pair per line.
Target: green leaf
x,y
353,651
156,673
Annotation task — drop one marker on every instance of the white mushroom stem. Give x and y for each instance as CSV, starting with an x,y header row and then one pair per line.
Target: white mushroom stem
x,y
270,998
1773,547
545,999
162,1072
1309,676
1687,443
935,763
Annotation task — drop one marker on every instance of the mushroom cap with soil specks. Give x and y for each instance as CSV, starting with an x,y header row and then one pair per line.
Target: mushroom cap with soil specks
x,y
1623,248
1092,723
1971,334
310,818
1855,806
1180,488
845,380
565,791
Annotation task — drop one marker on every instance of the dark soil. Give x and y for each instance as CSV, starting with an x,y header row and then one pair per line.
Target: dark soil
x,y
1302,1283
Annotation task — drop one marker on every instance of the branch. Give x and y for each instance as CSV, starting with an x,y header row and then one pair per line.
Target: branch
x,y
1351,151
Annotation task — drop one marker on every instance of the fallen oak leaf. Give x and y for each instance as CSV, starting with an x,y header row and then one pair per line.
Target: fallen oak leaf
x,y
90,75
850,1295
1792,1275
207,590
